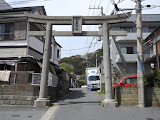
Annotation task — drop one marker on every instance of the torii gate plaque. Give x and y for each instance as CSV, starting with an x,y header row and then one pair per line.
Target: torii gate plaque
x,y
77,22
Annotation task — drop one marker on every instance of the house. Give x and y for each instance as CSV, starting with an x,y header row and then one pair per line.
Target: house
x,y
152,51
128,44
19,51
4,5
21,58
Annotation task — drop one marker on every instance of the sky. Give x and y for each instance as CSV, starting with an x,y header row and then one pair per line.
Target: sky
x,y
82,45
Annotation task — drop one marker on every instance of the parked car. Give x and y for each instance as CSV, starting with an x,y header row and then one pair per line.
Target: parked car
x,y
126,82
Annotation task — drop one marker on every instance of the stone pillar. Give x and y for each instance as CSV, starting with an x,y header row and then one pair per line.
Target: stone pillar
x,y
108,101
42,101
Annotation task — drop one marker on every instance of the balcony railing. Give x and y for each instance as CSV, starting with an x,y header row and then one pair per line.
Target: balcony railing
x,y
130,58
149,53
131,36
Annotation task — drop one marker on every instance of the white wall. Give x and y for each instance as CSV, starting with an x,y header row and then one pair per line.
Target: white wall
x,y
128,41
56,60
36,44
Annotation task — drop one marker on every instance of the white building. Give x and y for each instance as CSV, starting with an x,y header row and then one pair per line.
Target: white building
x,y
128,44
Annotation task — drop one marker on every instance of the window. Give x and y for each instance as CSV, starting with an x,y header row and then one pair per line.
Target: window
x,y
94,78
151,29
6,31
128,29
58,53
127,81
130,80
134,80
127,50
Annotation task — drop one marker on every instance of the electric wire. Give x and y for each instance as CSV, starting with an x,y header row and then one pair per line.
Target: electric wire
x,y
98,14
81,48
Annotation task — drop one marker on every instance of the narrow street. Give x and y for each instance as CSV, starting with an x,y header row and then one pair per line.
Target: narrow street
x,y
83,104
80,104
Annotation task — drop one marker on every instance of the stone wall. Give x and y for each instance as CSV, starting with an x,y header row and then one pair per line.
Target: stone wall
x,y
129,96
23,94
126,95
17,100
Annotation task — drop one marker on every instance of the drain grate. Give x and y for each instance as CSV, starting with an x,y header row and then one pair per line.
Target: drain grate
x,y
149,119
15,115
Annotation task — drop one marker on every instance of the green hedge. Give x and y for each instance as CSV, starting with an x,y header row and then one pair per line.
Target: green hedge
x,y
152,79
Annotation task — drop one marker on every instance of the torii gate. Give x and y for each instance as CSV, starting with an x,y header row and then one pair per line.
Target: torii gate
x,y
77,22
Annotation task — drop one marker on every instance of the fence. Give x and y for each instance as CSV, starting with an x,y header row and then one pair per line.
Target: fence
x,y
21,77
52,80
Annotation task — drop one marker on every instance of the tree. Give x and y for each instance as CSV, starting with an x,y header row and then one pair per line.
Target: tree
x,y
67,67
78,63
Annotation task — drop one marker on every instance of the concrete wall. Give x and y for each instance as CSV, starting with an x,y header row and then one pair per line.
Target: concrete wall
x,y
23,94
13,52
129,96
132,67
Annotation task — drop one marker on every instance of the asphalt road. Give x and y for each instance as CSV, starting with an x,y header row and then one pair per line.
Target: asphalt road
x,y
83,104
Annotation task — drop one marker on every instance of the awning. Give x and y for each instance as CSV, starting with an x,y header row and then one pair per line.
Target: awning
x,y
9,62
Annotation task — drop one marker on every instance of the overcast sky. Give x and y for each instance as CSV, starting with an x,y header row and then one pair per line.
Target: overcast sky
x,y
81,45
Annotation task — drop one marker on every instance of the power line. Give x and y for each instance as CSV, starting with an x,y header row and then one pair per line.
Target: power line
x,y
80,48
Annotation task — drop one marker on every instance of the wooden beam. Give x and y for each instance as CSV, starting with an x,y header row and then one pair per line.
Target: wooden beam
x,y
84,33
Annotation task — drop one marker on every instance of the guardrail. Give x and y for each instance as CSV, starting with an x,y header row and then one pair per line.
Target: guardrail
x,y
52,80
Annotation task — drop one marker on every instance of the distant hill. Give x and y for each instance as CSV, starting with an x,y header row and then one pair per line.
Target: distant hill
x,y
81,62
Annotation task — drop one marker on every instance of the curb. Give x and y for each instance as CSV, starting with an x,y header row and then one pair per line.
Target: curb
x,y
50,114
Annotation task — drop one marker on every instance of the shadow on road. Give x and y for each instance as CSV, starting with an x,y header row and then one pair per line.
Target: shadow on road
x,y
81,96
75,94
80,102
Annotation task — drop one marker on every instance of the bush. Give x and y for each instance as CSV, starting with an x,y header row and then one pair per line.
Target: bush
x,y
82,82
152,79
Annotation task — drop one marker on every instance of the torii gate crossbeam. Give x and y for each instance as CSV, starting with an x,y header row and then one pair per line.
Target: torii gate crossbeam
x,y
84,20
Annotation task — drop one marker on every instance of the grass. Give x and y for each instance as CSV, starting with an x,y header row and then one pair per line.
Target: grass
x,y
102,92
50,104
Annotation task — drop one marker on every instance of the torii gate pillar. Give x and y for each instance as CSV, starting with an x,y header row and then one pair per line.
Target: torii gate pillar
x,y
108,101
43,101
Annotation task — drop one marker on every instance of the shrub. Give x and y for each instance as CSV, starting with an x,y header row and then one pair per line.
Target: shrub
x,y
152,79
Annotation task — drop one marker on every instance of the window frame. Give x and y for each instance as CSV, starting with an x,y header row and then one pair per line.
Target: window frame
x,y
7,33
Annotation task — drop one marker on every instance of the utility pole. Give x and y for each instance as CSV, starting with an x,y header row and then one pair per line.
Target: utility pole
x,y
100,9
141,101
